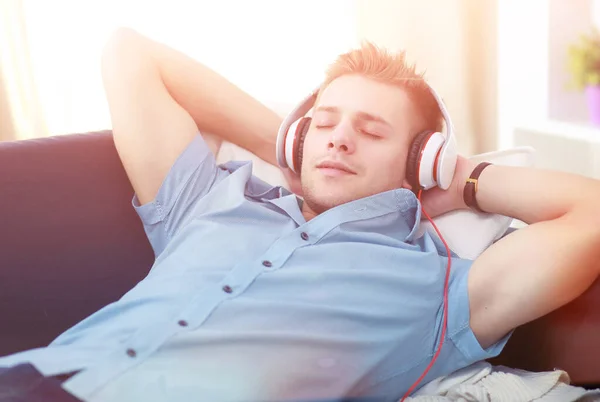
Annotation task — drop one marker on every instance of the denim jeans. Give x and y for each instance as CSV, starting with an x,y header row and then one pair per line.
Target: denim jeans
x,y
23,383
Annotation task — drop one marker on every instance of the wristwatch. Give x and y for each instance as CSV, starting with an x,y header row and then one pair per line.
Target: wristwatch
x,y
471,187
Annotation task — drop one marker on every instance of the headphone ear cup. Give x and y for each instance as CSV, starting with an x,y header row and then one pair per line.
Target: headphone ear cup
x,y
290,143
413,159
423,160
300,136
285,135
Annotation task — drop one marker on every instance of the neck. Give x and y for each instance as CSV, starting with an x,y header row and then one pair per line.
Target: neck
x,y
307,212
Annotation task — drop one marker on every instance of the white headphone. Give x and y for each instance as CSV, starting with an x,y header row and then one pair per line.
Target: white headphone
x,y
431,159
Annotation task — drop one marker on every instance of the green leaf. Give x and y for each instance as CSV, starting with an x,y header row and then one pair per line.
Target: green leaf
x,y
583,60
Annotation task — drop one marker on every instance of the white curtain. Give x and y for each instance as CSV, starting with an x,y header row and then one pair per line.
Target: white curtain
x,y
277,50
20,110
455,43
274,49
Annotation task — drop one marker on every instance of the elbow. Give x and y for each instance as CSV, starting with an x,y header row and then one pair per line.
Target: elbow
x,y
121,43
589,224
121,53
583,224
120,37
595,245
586,214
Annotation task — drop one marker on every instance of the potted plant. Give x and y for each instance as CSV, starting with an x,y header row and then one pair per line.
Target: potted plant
x,y
584,66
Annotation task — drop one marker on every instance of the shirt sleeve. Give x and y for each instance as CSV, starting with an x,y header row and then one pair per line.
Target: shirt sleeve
x,y
192,176
459,330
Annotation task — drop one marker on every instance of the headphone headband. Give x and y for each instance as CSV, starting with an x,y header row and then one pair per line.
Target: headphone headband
x,y
448,154
445,115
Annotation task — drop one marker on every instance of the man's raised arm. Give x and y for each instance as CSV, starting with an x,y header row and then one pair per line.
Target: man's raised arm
x,y
158,100
543,266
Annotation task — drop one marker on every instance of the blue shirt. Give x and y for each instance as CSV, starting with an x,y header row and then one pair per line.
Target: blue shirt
x,y
248,301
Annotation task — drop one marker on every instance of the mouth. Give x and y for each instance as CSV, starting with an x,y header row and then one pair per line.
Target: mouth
x,y
333,168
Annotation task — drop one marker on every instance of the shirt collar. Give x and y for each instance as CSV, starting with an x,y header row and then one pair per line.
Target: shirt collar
x,y
395,213
278,196
292,205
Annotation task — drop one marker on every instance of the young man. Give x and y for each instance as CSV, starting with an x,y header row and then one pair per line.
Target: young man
x,y
257,295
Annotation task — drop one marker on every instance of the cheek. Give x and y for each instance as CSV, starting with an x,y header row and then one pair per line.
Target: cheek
x,y
309,146
308,152
387,166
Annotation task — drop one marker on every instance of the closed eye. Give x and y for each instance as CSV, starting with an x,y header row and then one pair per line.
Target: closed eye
x,y
320,126
371,134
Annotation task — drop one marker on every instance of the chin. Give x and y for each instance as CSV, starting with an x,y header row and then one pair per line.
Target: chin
x,y
319,205
320,200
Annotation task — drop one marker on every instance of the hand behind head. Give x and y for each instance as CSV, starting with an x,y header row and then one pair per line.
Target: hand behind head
x,y
438,202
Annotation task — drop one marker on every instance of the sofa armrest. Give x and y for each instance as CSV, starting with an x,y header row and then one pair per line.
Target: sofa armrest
x,y
71,241
565,339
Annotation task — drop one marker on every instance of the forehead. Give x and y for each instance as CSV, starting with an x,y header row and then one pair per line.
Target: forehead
x,y
353,93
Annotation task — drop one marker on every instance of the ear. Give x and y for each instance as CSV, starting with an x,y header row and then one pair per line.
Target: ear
x,y
406,184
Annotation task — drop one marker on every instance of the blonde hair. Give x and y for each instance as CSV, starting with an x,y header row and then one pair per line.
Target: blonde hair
x,y
380,65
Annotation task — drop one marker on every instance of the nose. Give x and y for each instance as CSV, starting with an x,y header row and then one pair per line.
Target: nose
x,y
341,140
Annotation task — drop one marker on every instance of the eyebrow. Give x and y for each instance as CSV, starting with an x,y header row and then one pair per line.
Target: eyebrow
x,y
361,115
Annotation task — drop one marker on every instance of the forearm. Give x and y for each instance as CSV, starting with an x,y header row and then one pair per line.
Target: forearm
x,y
217,106
543,266
534,195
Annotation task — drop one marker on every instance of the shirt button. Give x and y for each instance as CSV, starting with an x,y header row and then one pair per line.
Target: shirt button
x,y
182,323
227,289
267,263
304,235
131,353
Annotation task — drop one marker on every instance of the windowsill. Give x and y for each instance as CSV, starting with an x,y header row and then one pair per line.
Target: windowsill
x,y
583,131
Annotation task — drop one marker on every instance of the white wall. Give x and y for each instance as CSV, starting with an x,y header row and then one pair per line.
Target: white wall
x,y
275,50
496,63
533,79
454,42
433,40
536,106
522,65
480,23
567,21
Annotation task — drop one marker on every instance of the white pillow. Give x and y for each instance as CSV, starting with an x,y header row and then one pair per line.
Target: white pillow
x,y
260,168
469,233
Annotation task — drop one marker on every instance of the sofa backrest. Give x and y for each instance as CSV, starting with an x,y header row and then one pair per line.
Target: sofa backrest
x,y
70,241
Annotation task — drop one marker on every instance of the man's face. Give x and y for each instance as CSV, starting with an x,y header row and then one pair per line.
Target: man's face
x,y
357,142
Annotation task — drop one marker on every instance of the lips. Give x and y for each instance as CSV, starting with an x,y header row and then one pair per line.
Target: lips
x,y
335,165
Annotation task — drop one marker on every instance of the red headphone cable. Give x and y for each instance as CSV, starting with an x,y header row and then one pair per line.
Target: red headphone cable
x,y
445,321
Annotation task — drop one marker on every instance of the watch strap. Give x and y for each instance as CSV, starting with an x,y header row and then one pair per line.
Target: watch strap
x,y
472,185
